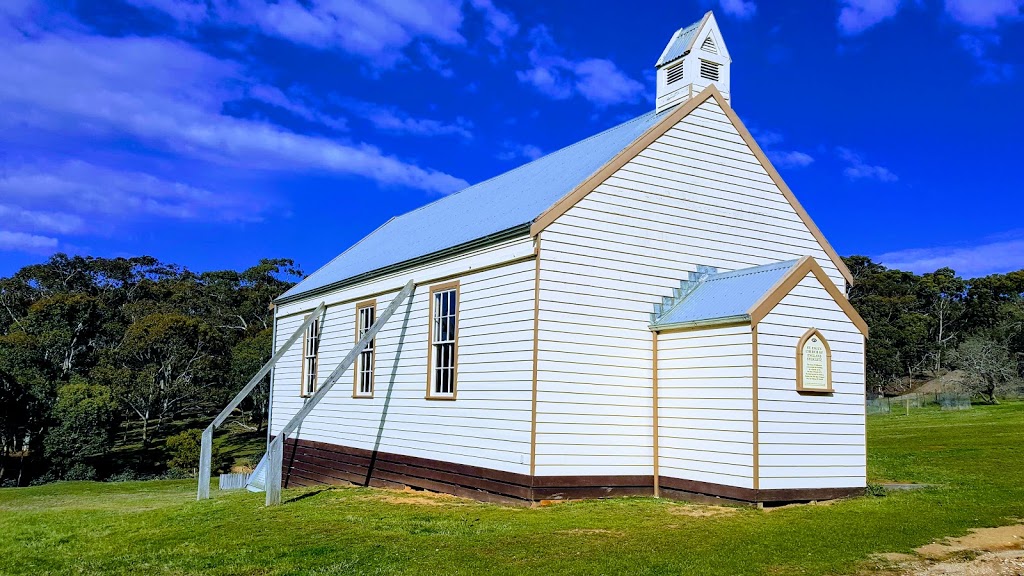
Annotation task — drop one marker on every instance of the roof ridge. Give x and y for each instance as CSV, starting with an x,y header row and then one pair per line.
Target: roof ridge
x,y
754,269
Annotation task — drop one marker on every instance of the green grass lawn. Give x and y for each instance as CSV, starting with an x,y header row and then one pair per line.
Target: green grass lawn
x,y
975,458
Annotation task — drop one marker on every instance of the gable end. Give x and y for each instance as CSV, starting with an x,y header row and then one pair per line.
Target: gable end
x,y
682,111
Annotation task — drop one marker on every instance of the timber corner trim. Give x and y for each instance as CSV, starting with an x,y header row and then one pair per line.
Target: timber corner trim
x,y
653,133
785,285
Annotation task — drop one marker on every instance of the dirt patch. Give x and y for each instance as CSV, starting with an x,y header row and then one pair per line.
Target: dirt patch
x,y
983,539
983,552
590,531
798,504
414,497
698,511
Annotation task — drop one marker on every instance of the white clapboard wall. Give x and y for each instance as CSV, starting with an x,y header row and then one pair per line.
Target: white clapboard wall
x,y
810,441
705,405
695,196
488,425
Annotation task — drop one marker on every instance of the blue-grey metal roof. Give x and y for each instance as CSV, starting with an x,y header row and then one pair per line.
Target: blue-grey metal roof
x,y
512,199
721,296
679,44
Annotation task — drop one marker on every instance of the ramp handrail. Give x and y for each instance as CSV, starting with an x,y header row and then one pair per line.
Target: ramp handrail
x,y
275,451
206,449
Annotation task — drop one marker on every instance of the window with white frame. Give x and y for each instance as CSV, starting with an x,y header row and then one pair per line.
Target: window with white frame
x,y
444,307
366,315
311,343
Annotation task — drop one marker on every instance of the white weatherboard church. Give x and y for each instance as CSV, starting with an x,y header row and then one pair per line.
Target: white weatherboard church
x,y
646,312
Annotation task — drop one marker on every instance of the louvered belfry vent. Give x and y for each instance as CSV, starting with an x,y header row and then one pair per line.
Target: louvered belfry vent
x,y
695,58
709,45
675,73
709,70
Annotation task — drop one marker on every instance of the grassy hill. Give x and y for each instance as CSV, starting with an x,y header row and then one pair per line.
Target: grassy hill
x,y
974,459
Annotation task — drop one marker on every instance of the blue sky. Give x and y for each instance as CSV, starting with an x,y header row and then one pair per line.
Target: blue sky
x,y
211,133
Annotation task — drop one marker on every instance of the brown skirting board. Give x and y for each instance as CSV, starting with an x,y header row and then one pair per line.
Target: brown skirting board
x,y
308,463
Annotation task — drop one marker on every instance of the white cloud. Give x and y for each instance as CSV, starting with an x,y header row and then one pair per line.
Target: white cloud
x,y
984,13
979,47
169,95
742,9
377,30
598,80
274,96
516,151
389,119
501,24
20,218
857,169
22,242
992,257
856,16
791,159
61,198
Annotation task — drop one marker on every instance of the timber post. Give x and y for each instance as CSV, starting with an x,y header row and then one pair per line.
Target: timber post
x,y
206,450
275,452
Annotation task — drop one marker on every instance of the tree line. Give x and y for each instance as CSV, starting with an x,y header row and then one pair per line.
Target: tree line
x,y
96,352
924,325
100,353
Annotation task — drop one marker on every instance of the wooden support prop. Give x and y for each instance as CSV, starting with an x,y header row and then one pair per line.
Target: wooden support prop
x,y
206,450
275,452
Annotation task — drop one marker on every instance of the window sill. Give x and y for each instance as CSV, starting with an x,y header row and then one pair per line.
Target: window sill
x,y
442,398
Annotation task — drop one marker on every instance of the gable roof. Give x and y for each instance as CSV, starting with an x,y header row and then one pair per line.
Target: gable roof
x,y
502,203
721,297
745,295
528,198
681,42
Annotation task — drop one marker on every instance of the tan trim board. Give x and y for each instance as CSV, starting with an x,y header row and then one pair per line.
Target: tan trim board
x,y
800,361
654,418
316,357
430,340
655,132
793,277
536,349
428,281
373,366
777,179
756,453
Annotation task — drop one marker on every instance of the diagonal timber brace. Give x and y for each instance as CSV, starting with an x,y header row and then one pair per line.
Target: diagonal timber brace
x,y
206,449
275,451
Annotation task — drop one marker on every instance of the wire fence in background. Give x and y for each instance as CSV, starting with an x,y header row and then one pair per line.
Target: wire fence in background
x,y
903,404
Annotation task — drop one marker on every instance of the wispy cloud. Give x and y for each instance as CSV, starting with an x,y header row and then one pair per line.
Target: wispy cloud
x,y
377,30
856,16
984,13
390,119
22,242
501,24
790,159
171,96
518,151
979,46
857,168
62,197
994,256
741,9
597,80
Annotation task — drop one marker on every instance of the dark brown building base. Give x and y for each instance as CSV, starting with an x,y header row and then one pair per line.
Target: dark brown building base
x,y
308,463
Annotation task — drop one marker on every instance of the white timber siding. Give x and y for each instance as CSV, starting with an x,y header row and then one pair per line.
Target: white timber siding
x,y
810,440
705,406
695,196
489,423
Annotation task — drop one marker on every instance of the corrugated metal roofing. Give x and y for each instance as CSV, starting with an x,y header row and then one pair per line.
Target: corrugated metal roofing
x,y
512,199
678,44
724,295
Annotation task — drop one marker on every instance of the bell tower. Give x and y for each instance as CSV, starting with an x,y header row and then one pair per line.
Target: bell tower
x,y
694,58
